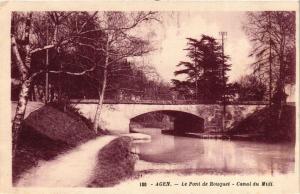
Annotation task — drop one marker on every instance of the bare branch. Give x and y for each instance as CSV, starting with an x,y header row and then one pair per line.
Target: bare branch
x,y
36,74
74,73
43,48
85,23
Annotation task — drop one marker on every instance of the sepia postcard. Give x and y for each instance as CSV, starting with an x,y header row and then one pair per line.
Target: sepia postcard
x,y
149,97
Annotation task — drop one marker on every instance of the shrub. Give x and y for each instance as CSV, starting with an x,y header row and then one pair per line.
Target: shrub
x,y
115,163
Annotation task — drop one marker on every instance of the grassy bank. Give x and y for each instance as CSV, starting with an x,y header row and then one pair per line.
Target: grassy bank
x,y
49,132
45,134
262,126
34,146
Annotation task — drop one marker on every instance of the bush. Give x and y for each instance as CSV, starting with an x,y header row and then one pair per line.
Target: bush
x,y
115,163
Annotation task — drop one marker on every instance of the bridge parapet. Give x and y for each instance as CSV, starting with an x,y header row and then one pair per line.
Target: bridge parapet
x,y
166,102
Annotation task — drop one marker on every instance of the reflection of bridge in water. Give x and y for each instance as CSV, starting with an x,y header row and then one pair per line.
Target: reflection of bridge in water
x,y
116,116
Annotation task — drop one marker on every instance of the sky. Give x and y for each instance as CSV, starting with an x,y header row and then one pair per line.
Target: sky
x,y
169,39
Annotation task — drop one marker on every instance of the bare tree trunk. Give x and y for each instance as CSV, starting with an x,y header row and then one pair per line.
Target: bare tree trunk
x,y
102,92
20,112
270,61
281,96
26,81
100,102
282,74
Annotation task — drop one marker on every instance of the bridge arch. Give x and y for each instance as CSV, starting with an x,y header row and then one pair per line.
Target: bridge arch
x,y
166,111
170,121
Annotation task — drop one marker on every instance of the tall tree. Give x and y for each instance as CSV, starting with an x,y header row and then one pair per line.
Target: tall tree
x,y
204,71
120,43
27,45
273,36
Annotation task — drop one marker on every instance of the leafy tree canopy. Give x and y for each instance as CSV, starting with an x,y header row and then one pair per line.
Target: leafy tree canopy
x,y
205,71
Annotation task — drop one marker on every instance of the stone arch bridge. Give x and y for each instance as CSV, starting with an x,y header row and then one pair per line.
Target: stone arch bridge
x,y
116,117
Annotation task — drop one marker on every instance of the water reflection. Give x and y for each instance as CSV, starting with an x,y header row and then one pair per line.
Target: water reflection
x,y
218,155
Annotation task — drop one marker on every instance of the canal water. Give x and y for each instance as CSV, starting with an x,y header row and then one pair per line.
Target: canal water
x,y
216,156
